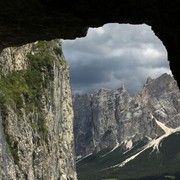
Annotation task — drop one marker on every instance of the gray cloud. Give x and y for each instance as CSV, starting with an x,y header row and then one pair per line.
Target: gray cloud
x,y
115,55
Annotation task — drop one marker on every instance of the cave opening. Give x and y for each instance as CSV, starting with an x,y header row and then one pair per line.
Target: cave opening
x,y
107,124
115,55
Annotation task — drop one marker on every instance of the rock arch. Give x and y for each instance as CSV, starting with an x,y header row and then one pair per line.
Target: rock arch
x,y
25,21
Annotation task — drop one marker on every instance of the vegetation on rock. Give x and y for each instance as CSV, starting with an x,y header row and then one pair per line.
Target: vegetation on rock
x,y
24,90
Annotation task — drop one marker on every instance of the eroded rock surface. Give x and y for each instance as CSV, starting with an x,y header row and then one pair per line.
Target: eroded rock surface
x,y
107,118
36,116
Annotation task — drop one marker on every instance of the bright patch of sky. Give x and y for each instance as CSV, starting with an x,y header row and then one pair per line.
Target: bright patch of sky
x,y
115,55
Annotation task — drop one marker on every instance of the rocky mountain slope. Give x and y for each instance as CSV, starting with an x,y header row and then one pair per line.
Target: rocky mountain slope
x,y
36,129
107,118
156,159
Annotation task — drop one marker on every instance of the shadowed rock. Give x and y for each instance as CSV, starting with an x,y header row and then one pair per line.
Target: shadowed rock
x,y
25,21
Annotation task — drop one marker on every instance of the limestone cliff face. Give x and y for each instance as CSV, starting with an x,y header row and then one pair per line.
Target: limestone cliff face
x,y
109,118
36,129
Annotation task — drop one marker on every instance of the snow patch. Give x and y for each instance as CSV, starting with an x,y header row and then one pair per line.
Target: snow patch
x,y
117,145
166,129
155,143
129,144
149,138
80,157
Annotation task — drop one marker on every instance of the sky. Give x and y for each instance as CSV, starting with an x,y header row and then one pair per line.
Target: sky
x,y
113,56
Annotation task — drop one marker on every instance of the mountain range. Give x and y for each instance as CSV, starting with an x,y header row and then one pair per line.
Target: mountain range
x,y
129,137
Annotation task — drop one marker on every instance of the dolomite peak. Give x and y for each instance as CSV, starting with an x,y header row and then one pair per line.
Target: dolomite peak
x,y
113,117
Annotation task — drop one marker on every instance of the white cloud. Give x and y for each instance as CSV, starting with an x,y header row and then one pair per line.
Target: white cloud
x,y
113,55
151,53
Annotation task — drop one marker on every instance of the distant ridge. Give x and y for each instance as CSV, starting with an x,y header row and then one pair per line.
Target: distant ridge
x,y
109,121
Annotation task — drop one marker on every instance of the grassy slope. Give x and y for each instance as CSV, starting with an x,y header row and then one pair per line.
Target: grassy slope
x,y
148,165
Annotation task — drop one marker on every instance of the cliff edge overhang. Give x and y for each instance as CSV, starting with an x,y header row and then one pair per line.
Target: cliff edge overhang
x,y
25,21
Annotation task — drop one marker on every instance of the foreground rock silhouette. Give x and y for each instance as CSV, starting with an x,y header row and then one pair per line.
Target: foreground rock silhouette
x,y
25,21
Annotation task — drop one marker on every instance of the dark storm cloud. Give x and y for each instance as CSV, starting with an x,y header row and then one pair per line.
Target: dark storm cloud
x,y
115,55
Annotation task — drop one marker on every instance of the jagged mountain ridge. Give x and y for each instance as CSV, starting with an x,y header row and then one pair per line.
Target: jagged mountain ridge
x,y
105,119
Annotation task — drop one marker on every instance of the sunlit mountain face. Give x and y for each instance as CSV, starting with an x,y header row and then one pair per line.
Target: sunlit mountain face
x,y
124,137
